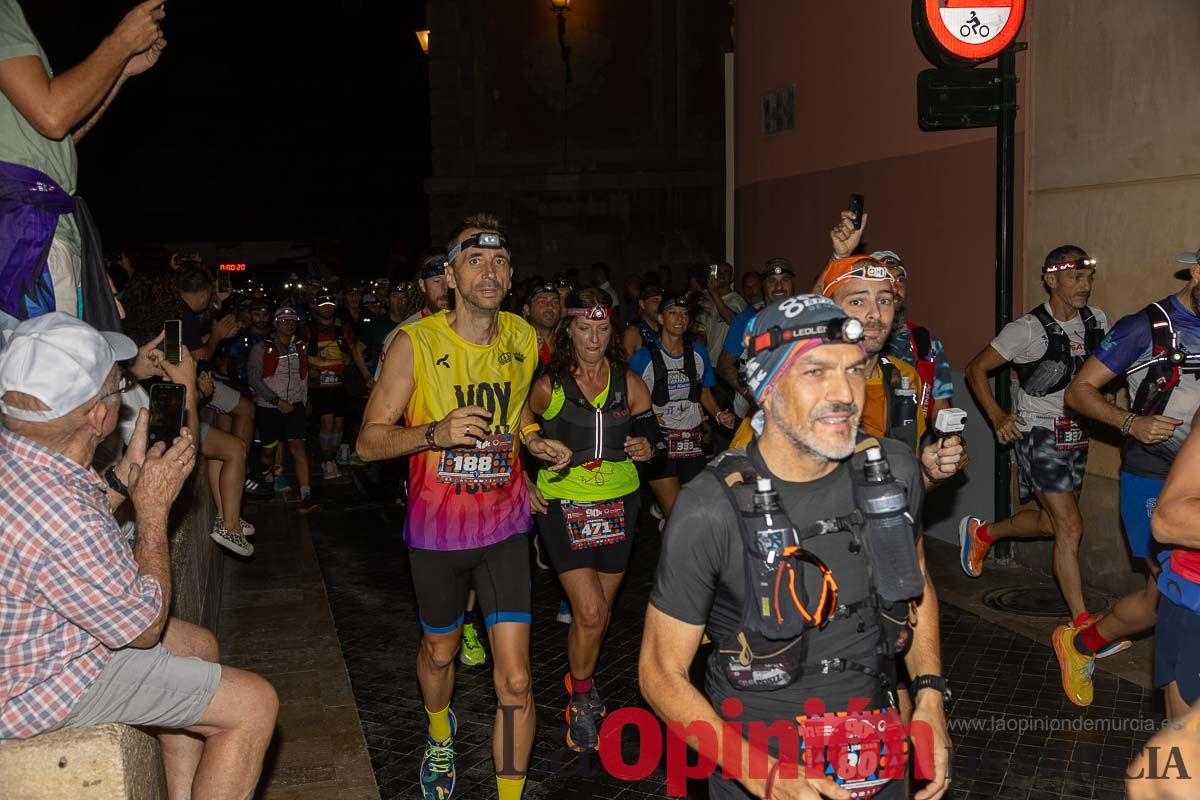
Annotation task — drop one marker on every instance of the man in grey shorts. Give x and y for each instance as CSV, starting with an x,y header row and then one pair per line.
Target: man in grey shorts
x,y
1047,346
85,632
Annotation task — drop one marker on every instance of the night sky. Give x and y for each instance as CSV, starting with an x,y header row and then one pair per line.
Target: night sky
x,y
263,120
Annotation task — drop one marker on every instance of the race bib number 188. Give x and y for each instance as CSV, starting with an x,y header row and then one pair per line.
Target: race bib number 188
x,y
488,464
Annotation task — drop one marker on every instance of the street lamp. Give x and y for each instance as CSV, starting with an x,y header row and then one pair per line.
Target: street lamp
x,y
561,7
423,38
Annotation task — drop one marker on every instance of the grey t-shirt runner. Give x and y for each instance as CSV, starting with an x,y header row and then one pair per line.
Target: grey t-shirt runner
x,y
20,143
1024,341
700,582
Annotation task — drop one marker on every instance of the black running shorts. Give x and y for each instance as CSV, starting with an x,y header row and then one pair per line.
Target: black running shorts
x,y
499,574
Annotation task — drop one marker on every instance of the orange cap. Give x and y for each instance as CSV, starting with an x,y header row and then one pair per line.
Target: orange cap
x,y
840,269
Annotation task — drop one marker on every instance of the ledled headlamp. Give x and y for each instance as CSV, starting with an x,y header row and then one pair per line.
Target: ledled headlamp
x,y
487,240
1078,263
846,329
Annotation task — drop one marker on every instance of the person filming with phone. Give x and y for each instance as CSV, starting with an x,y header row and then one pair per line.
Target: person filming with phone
x,y
86,636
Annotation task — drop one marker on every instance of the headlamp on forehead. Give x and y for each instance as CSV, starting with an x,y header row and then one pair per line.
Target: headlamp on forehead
x,y
844,329
488,240
549,287
433,268
595,313
1077,263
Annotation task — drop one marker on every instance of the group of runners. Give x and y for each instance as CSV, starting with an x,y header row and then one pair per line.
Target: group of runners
x,y
563,418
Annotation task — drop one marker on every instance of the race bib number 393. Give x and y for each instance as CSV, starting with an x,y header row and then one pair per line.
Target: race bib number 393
x,y
487,464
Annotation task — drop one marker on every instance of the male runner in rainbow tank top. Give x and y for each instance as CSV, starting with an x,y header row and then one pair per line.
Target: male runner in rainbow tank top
x,y
459,380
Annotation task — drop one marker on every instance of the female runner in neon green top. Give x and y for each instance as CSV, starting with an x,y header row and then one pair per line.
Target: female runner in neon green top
x,y
602,412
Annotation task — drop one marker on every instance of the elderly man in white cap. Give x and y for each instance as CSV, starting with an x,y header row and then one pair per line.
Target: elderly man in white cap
x,y
85,632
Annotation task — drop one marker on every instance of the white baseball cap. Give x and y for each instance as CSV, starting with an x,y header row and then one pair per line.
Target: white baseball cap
x,y
60,360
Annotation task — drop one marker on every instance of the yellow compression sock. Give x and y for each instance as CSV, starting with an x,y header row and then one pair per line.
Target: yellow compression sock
x,y
509,788
439,724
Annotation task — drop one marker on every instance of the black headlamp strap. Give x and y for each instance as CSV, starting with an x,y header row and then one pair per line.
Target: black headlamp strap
x,y
488,240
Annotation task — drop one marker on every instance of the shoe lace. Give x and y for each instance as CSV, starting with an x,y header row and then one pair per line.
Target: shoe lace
x,y
440,757
1085,671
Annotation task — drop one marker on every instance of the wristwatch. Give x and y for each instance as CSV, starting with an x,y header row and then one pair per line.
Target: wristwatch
x,y
114,483
931,682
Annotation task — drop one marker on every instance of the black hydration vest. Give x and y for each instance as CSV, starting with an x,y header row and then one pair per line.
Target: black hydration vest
x,y
662,393
903,405
1169,362
1054,370
593,433
770,652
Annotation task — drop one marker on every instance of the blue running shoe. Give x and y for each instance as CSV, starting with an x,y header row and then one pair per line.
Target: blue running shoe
x,y
437,766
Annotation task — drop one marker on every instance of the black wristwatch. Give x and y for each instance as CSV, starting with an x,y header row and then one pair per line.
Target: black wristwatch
x,y
114,483
930,682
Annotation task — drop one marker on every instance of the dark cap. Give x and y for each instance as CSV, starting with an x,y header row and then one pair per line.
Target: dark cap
x,y
324,300
650,291
778,266
370,299
549,287
672,300
433,266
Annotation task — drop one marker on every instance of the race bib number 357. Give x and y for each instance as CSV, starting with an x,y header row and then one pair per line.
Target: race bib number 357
x,y
488,464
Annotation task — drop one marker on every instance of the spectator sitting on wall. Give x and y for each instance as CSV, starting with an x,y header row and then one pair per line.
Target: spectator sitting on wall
x,y
187,295
85,632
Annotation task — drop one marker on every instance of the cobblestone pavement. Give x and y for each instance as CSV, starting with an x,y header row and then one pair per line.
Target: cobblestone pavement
x,y
1016,735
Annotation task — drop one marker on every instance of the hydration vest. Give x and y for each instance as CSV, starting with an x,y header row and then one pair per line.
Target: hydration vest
x,y
649,337
315,335
593,433
1054,370
770,649
921,341
902,405
271,356
1168,362
661,395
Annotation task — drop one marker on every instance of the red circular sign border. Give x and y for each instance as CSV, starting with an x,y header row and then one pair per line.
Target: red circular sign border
x,y
974,52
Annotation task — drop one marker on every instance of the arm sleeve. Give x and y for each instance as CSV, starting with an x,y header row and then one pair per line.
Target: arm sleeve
x,y
1127,342
943,380
254,376
708,379
92,580
695,549
16,38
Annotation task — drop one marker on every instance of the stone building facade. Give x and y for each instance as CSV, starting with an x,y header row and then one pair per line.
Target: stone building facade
x,y
623,163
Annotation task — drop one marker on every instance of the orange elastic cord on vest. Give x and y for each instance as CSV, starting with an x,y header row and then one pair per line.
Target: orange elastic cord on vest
x,y
841,269
827,603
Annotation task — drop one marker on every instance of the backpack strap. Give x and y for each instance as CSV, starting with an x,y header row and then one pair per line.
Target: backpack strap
x,y
662,393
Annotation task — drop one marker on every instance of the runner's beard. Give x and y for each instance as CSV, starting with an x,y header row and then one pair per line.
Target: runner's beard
x,y
806,436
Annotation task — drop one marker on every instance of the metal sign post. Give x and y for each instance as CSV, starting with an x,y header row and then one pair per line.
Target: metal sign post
x,y
957,35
